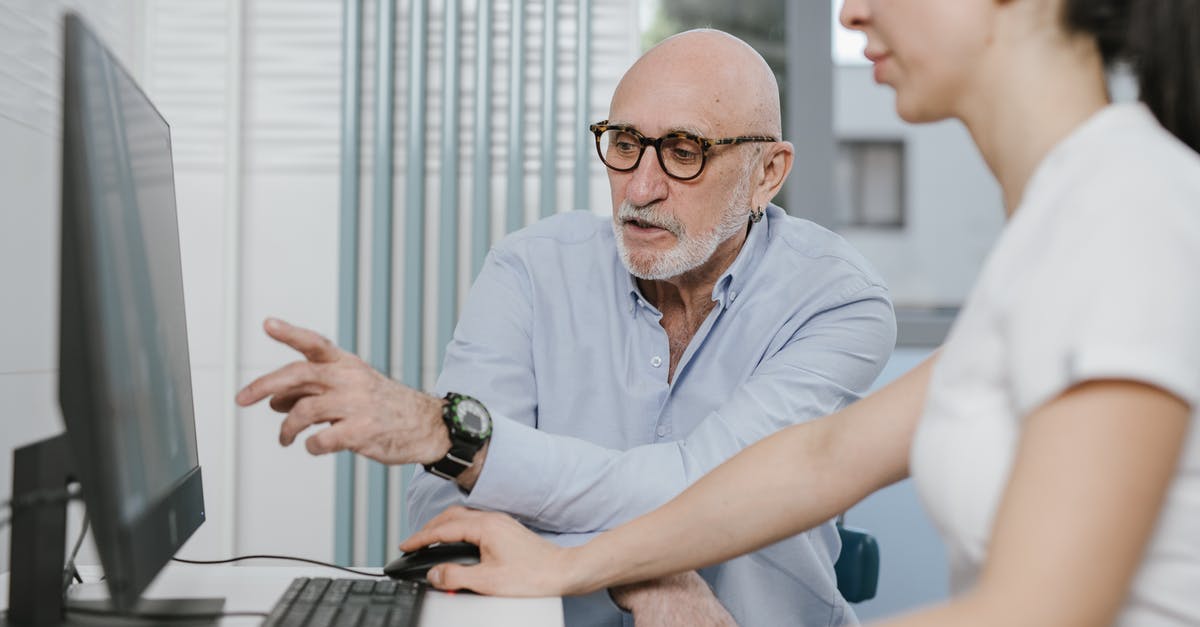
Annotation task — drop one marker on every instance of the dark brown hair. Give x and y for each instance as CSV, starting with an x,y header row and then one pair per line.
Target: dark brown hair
x,y
1161,39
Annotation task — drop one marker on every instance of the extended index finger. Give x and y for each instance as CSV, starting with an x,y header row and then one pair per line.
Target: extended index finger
x,y
313,345
298,374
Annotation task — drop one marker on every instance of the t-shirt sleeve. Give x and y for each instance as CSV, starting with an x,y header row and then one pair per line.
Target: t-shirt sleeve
x,y
1115,296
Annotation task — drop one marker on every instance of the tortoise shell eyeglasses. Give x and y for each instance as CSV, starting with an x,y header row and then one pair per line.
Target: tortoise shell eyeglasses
x,y
681,155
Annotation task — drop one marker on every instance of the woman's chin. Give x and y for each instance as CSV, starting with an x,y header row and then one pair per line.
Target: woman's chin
x,y
913,111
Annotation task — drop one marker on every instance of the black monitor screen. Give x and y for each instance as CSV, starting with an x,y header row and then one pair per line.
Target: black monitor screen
x,y
125,381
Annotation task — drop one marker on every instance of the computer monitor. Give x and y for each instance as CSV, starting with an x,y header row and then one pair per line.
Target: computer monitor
x,y
124,376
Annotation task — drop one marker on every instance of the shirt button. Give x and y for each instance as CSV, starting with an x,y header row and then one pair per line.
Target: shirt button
x,y
661,431
656,361
733,295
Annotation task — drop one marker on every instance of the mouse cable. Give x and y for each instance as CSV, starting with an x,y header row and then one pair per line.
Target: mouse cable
x,y
278,557
158,617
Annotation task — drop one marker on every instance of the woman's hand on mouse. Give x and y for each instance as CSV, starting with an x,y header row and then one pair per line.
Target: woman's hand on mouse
x,y
513,560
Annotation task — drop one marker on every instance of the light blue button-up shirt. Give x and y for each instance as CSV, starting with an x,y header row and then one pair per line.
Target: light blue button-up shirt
x,y
571,361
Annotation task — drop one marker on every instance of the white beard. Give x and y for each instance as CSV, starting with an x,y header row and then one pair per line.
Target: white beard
x,y
689,251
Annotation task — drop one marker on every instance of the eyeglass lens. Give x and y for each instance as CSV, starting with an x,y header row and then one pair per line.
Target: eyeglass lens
x,y
679,156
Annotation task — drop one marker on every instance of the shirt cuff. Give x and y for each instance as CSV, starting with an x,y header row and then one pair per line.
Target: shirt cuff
x,y
514,475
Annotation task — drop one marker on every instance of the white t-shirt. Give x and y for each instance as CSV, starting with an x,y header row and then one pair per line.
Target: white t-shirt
x,y
1097,275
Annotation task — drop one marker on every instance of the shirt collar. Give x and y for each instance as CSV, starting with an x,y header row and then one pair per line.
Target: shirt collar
x,y
735,278
731,283
635,295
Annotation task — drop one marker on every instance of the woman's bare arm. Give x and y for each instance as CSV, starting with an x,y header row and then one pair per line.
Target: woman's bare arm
x,y
784,484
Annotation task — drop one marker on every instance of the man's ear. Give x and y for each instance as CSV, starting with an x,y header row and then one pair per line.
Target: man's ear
x,y
772,171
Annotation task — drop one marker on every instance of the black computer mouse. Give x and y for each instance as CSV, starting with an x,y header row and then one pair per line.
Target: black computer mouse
x,y
413,566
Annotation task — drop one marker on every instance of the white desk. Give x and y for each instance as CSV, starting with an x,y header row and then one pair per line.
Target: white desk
x,y
256,588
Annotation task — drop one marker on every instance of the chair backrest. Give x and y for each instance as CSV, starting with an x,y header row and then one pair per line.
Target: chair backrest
x,y
857,565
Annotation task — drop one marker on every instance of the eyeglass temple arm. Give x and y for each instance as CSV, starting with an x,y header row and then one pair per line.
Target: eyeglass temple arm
x,y
742,140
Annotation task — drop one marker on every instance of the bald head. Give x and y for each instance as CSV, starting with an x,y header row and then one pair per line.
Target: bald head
x,y
705,73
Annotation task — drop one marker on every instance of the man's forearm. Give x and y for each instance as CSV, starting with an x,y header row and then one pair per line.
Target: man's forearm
x,y
683,599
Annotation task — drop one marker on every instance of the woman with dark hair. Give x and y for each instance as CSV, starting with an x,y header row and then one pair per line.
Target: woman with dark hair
x,y
1053,438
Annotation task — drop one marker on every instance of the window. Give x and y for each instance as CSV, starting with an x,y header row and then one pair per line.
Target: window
x,y
869,184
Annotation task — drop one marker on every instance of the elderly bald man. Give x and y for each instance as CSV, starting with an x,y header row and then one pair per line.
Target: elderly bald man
x,y
599,367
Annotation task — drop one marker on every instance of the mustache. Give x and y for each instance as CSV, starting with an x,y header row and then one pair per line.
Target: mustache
x,y
648,214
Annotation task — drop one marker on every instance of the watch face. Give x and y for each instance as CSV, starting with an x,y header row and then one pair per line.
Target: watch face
x,y
474,419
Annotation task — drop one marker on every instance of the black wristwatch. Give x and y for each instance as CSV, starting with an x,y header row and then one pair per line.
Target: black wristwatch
x,y
470,427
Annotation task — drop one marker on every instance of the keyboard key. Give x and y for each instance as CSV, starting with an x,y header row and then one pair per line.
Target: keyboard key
x,y
337,592
406,605
385,588
313,591
322,616
402,618
349,616
376,616
297,614
363,586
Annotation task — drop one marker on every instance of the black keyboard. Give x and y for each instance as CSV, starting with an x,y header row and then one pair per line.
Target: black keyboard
x,y
322,602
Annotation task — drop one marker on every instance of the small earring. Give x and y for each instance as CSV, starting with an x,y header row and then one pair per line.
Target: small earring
x,y
756,216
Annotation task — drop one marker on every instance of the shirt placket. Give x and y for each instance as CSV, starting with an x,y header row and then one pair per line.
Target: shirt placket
x,y
658,358
654,363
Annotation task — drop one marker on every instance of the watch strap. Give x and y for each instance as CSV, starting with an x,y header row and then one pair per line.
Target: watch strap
x,y
462,451
458,459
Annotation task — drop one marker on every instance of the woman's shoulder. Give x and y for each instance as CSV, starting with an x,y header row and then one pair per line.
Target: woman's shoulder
x,y
1137,161
1122,164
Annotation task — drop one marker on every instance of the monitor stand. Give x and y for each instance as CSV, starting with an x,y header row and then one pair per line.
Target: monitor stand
x,y
148,608
37,549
